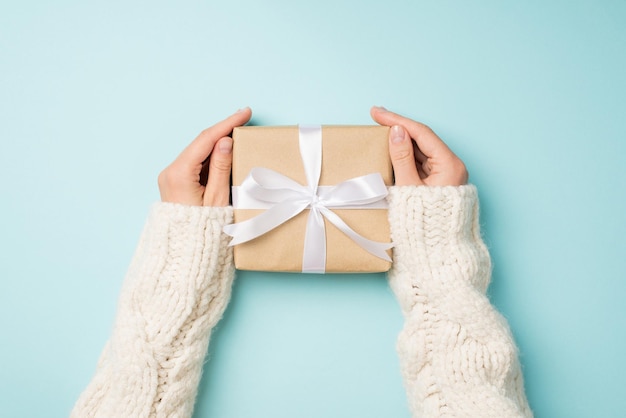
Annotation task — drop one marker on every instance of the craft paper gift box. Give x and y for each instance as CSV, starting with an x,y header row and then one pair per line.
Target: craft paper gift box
x,y
347,152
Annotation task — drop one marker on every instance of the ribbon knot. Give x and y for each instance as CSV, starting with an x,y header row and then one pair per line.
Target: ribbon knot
x,y
315,201
284,198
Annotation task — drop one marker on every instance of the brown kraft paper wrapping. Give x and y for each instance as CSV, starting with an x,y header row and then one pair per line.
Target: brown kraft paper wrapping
x,y
347,152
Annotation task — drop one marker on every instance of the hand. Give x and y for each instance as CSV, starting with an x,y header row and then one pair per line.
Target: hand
x,y
418,155
200,176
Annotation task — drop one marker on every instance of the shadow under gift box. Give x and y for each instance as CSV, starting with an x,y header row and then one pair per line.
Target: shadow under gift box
x,y
347,152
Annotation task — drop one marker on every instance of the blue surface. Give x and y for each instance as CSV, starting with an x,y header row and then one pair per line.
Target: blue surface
x,y
97,97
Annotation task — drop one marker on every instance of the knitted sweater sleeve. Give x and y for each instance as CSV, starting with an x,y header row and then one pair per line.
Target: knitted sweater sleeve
x,y
457,355
175,291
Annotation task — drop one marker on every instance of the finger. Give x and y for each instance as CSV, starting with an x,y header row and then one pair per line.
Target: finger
x,y
217,189
419,155
201,147
427,141
426,167
402,157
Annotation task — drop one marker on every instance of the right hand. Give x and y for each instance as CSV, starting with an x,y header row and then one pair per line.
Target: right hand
x,y
419,157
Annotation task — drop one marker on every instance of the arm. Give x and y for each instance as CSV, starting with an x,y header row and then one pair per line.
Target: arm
x,y
176,290
456,351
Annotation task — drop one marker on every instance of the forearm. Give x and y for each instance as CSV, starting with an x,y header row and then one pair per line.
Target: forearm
x,y
457,354
176,290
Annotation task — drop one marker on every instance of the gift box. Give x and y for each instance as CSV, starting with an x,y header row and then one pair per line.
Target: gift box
x,y
340,173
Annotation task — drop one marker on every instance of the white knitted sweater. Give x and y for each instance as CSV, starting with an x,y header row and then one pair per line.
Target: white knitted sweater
x,y
457,355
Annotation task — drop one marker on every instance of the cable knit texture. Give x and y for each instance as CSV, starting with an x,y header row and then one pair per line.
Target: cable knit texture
x,y
457,355
176,290
456,352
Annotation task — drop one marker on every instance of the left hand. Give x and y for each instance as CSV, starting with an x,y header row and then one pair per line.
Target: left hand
x,y
200,176
419,157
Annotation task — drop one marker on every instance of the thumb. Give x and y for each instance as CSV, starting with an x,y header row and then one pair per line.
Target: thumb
x,y
217,190
402,157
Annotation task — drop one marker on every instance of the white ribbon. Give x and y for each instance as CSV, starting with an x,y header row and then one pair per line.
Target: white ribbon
x,y
285,198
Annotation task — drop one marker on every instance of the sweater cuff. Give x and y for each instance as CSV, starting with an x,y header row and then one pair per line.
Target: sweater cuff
x,y
182,240
180,216
437,239
431,212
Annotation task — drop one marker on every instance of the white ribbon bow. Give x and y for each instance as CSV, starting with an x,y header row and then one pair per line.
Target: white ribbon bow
x,y
286,198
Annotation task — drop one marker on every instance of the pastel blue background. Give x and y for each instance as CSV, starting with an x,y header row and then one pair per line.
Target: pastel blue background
x,y
97,97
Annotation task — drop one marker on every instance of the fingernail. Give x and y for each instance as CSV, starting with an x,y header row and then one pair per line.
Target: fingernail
x,y
381,108
226,146
242,109
397,134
